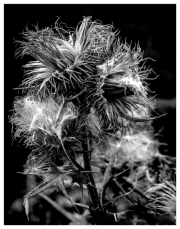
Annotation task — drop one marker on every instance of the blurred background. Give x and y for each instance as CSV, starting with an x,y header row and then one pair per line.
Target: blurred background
x,y
152,26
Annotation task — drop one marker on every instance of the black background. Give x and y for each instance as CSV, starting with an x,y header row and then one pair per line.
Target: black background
x,y
153,26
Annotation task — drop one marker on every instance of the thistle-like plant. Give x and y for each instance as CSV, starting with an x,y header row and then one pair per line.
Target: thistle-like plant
x,y
84,98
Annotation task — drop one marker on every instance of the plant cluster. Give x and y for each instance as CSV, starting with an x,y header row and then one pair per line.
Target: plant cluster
x,y
85,112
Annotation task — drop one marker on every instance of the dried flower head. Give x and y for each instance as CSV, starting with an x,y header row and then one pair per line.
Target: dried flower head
x,y
132,147
138,147
63,58
38,166
162,198
32,115
119,88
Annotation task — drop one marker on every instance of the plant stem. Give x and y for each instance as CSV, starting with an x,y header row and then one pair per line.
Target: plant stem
x,y
106,177
91,184
58,207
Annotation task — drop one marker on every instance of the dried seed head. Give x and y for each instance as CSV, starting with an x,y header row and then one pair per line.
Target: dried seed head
x,y
31,114
138,147
64,61
119,89
162,198
38,166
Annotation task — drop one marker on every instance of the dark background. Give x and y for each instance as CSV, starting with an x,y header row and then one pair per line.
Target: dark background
x,y
153,26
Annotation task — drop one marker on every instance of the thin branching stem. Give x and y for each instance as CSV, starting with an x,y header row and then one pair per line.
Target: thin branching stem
x,y
107,184
58,207
106,177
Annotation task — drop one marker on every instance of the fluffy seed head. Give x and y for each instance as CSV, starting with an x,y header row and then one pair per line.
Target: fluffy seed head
x,y
162,198
31,115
